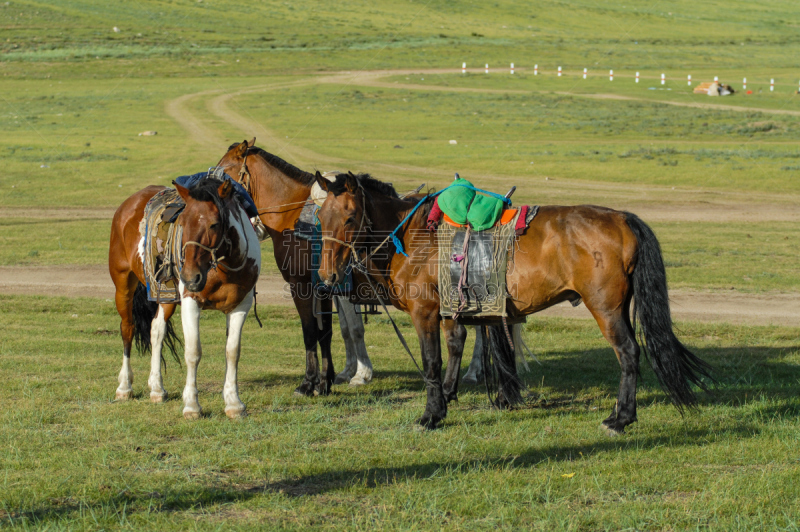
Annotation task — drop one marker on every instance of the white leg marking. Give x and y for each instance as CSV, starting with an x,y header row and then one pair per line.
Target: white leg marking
x,y
125,390
190,317
157,330
234,407
364,372
351,364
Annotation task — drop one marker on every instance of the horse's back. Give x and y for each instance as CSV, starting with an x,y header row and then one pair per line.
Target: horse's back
x,y
122,249
567,250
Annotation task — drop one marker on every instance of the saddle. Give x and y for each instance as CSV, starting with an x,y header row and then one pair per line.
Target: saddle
x,y
475,243
162,234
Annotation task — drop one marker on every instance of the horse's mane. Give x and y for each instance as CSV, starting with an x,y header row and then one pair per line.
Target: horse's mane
x,y
289,169
369,183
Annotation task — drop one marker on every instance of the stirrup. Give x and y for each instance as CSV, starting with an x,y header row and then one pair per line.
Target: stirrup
x,y
261,230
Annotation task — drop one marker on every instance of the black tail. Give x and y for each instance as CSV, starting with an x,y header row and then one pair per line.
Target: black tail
x,y
676,367
144,311
500,369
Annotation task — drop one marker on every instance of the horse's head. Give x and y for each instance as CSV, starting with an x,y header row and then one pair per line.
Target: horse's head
x,y
234,162
205,224
343,220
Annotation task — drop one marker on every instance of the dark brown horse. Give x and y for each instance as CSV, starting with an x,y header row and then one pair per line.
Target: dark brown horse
x,y
280,190
221,263
605,257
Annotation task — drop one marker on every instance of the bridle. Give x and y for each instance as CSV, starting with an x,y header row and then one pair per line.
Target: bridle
x,y
244,174
218,261
362,266
358,264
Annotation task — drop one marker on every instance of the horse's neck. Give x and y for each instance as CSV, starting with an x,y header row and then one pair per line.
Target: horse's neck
x,y
238,223
278,197
387,213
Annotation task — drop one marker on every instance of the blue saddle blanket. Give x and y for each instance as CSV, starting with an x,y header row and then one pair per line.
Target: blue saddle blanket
x,y
248,204
308,228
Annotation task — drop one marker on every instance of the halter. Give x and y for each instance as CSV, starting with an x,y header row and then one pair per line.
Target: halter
x,y
360,265
244,174
218,261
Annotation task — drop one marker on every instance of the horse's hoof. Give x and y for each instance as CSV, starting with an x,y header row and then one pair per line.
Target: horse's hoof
x,y
124,396
342,378
156,397
191,415
236,412
612,428
428,422
472,379
358,381
302,391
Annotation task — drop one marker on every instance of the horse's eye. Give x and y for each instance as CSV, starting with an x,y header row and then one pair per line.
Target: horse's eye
x,y
350,221
215,226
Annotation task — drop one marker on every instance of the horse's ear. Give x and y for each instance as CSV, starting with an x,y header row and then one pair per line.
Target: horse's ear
x,y
241,149
253,142
351,183
183,191
321,181
225,189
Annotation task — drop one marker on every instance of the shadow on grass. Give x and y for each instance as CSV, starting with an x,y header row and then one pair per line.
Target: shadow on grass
x,y
320,483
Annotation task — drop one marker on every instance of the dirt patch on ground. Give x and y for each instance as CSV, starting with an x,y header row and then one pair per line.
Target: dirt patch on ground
x,y
772,308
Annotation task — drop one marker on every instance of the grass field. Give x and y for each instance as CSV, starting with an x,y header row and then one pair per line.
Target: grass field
x,y
74,459
205,73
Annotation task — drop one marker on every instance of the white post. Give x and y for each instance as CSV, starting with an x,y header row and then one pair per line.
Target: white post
x,y
771,84
559,72
463,68
689,79
611,75
637,77
487,68
512,68
744,84
535,70
663,78
584,73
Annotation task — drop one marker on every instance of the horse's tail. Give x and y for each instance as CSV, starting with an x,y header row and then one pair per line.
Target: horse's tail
x,y
144,311
675,366
500,369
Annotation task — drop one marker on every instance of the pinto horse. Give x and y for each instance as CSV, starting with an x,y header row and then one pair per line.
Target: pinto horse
x,y
605,257
221,263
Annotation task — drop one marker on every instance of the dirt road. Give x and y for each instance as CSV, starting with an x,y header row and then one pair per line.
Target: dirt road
x,y
706,306
654,204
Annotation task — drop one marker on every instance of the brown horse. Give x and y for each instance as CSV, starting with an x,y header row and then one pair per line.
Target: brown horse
x,y
280,190
605,257
221,263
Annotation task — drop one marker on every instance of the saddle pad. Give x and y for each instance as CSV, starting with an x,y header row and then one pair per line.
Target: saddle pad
x,y
487,260
465,206
162,234
507,216
304,226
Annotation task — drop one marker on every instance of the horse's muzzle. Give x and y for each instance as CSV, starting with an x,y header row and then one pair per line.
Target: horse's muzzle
x,y
332,280
194,284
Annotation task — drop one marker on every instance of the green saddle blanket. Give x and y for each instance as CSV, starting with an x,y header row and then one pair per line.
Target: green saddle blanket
x,y
463,205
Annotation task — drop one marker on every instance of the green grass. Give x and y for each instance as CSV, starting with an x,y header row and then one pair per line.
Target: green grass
x,y
74,459
76,95
532,137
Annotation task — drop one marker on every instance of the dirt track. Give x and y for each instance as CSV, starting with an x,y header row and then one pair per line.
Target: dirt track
x,y
655,204
727,306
